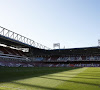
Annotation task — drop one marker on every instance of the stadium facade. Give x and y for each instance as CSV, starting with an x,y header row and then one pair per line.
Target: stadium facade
x,y
38,55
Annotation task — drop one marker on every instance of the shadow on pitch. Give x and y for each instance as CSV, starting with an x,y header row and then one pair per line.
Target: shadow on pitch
x,y
37,86
73,81
96,76
81,77
10,74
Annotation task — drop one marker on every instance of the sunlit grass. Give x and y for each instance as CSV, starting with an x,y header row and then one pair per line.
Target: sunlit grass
x,y
50,78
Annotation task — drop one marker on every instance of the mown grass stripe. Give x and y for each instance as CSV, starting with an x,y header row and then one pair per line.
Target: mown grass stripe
x,y
51,79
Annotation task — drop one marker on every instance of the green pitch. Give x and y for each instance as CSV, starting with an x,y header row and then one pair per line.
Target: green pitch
x,y
50,78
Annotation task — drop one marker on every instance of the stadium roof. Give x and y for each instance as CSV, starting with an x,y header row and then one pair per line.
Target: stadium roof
x,y
76,51
13,39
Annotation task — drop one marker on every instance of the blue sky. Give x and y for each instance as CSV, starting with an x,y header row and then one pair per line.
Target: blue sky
x,y
72,23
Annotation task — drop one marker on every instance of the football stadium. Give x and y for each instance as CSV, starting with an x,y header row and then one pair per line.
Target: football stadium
x,y
28,65
49,45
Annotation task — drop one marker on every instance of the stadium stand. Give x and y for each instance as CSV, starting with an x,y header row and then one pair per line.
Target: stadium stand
x,y
16,58
11,57
41,56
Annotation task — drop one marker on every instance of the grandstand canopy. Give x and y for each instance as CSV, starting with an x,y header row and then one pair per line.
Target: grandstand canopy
x,y
13,39
76,51
14,43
